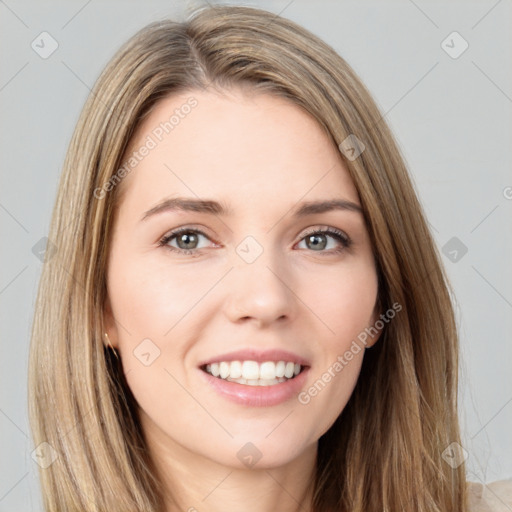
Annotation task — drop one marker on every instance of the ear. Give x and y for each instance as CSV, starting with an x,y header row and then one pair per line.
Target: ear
x,y
109,324
374,326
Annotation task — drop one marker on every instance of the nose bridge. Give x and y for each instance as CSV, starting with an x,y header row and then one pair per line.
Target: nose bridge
x,y
259,286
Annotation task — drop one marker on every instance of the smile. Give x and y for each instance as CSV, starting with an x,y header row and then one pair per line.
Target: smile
x,y
252,373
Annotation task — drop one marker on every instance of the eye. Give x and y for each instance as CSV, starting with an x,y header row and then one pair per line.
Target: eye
x,y
318,240
187,240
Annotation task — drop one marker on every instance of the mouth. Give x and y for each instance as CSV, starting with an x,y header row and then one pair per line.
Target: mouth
x,y
254,373
256,378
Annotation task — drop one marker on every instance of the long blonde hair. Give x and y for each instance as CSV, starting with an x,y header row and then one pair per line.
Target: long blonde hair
x,y
384,452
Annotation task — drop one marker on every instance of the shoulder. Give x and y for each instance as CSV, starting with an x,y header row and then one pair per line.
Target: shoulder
x,y
491,497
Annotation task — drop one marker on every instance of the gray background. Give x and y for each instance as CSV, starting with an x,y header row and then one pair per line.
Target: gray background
x,y
452,119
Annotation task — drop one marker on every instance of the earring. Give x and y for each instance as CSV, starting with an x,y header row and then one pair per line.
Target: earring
x,y
110,346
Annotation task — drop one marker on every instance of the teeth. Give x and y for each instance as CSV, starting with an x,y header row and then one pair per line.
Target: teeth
x,y
250,370
215,369
253,373
288,371
268,370
224,370
258,382
235,371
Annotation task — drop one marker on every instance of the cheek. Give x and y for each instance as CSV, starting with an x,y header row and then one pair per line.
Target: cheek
x,y
149,299
344,301
150,303
328,390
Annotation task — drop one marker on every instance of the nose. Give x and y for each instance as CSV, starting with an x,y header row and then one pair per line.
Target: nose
x,y
260,292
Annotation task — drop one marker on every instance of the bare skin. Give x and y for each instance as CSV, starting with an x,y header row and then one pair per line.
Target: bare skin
x,y
261,157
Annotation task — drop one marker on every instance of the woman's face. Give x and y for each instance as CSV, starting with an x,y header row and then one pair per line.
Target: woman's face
x,y
253,276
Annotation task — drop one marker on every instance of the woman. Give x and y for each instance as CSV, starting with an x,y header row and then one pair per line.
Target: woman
x,y
246,307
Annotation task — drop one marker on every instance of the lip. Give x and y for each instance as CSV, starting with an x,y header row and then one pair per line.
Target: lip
x,y
257,396
260,356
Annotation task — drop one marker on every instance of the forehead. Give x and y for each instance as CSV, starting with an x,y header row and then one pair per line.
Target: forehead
x,y
235,146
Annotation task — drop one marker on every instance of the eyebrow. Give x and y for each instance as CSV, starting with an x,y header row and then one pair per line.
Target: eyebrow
x,y
216,208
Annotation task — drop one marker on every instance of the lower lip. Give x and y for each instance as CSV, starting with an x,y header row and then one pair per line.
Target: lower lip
x,y
257,396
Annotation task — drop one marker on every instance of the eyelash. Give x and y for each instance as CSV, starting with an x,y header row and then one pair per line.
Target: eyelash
x,y
340,236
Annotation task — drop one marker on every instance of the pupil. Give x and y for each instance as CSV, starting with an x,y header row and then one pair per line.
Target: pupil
x,y
314,240
186,239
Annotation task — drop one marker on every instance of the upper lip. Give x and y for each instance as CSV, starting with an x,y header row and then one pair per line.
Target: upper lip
x,y
260,356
